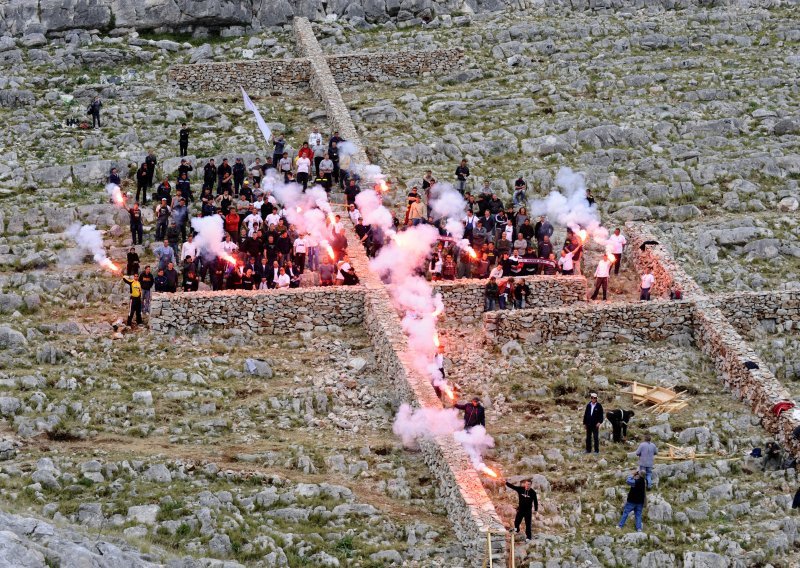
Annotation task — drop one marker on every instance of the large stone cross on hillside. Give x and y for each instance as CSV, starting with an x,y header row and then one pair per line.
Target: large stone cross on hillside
x,y
317,71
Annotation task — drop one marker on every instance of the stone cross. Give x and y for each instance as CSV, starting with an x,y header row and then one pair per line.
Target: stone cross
x,y
317,71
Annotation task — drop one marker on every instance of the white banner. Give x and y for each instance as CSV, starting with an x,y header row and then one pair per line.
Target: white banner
x,y
248,105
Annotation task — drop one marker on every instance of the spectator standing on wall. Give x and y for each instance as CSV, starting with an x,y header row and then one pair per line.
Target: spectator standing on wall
x,y
617,243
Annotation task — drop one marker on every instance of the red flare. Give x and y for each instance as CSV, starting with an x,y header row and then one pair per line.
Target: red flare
x,y
436,340
329,248
472,253
381,187
228,258
582,234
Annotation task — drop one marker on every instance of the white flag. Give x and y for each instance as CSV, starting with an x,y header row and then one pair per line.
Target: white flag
x,y
248,105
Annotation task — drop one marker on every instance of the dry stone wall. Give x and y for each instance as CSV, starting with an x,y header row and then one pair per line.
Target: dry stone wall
x,y
758,387
750,311
463,299
262,311
658,257
591,323
285,76
381,66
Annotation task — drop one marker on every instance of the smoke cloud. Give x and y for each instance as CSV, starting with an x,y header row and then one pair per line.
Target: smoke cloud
x,y
90,240
412,424
569,207
210,234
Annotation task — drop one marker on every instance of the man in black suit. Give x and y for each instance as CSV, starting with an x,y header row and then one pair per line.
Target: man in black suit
x,y
592,418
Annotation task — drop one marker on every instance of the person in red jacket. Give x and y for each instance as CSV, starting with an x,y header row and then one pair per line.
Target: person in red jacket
x,y
306,152
232,224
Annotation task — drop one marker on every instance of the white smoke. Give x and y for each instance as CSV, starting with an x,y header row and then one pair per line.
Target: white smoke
x,y
447,203
413,424
210,234
372,210
90,240
570,208
308,211
347,148
475,441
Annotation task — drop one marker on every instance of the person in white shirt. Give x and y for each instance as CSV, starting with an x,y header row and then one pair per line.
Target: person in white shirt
x,y
283,279
344,266
273,218
354,213
303,170
315,138
338,227
647,283
189,248
229,246
300,253
253,222
617,244
497,272
601,275
285,166
565,264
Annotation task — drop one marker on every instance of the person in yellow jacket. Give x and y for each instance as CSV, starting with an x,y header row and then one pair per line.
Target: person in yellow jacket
x,y
136,298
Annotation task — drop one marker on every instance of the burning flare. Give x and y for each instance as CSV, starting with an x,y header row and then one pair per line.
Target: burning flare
x,y
230,259
108,265
488,471
582,234
116,195
447,389
471,251
329,248
381,187
436,341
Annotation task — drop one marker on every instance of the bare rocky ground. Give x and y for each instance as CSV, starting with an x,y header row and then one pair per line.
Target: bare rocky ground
x,y
687,118
722,510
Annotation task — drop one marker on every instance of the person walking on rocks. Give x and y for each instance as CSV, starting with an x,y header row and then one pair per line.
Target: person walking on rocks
x,y
527,504
136,298
474,414
601,274
647,451
142,183
592,418
183,140
635,501
617,244
146,280
94,110
462,174
150,161
647,284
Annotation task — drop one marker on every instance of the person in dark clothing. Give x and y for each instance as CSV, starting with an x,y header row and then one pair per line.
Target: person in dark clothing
x,y
277,151
132,266
474,414
635,501
137,228
592,418
136,298
142,183
218,274
114,178
94,110
209,174
225,175
527,501
150,160
619,423
462,173
239,173
542,229
183,140
172,278
160,281
190,281
492,293
146,279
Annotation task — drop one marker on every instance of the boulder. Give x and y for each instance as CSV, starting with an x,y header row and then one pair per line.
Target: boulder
x,y
11,338
258,367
